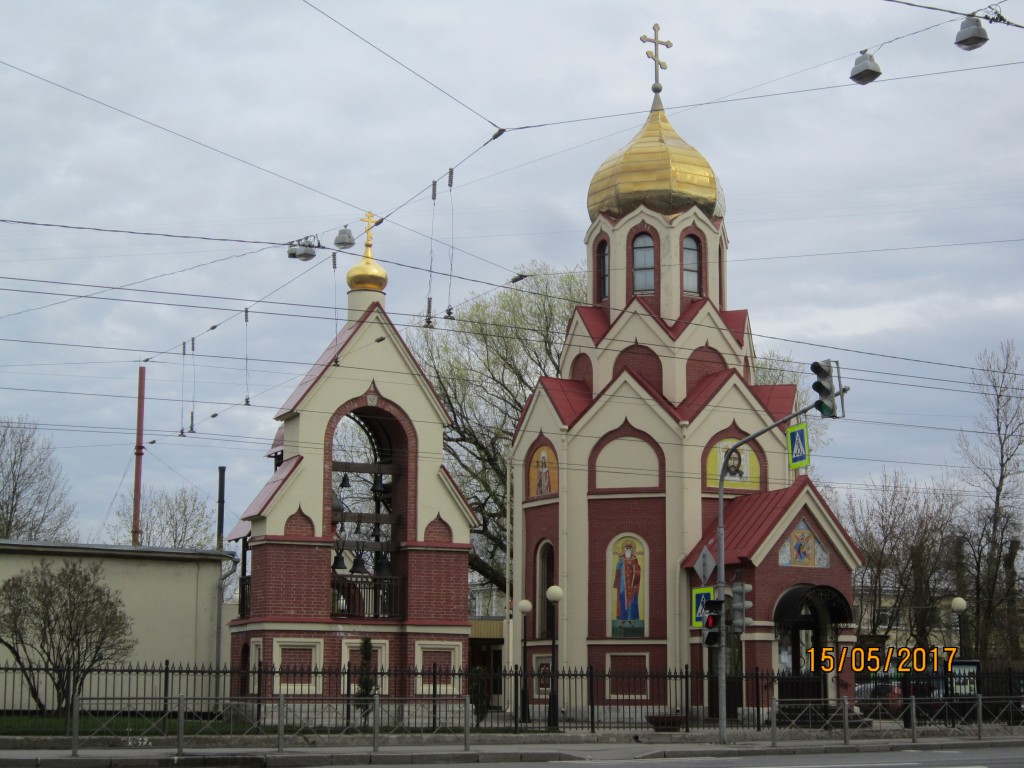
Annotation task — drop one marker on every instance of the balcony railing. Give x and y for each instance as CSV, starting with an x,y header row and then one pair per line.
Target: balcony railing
x,y
367,597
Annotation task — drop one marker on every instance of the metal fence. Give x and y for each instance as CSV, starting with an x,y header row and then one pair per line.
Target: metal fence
x,y
138,705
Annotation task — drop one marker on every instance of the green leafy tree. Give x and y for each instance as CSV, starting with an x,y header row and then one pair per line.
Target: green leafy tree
x,y
484,364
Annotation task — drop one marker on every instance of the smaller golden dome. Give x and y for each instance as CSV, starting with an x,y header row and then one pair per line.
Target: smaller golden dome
x,y
657,169
367,274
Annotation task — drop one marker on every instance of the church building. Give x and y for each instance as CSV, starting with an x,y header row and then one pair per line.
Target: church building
x,y
360,532
617,459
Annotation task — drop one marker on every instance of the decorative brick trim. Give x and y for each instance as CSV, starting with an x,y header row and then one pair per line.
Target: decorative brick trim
x,y
654,299
710,484
407,455
538,442
702,243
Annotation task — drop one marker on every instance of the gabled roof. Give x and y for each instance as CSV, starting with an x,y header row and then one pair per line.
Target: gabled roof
x,y
267,493
777,399
748,520
335,350
736,321
702,394
751,519
598,325
314,374
595,320
569,397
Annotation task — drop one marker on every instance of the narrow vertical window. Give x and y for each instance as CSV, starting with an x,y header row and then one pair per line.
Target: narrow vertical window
x,y
602,271
643,263
691,265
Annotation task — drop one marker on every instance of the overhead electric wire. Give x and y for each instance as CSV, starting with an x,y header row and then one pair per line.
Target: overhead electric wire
x,y
180,135
399,63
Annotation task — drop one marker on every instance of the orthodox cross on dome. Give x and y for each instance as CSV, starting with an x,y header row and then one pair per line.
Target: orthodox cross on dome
x,y
371,222
658,63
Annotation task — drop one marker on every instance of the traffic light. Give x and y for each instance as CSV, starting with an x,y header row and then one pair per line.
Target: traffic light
x,y
825,386
712,635
740,606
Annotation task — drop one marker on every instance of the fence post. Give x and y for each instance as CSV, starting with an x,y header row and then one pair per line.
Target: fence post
x,y
280,721
516,697
465,730
181,724
913,719
376,722
590,698
433,708
846,720
980,720
686,696
773,715
75,703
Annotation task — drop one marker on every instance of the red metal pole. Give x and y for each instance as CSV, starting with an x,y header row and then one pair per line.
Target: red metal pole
x,y
137,500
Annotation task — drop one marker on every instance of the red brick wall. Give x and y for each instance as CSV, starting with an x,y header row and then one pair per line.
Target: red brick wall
x,y
608,519
540,524
437,590
290,579
702,362
583,370
643,362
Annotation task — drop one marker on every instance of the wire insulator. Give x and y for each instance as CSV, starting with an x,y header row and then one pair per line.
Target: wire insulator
x,y
451,176
334,260
433,190
245,312
192,421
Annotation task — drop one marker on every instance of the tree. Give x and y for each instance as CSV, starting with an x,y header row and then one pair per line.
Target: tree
x,y
61,626
179,520
484,364
34,501
991,529
905,532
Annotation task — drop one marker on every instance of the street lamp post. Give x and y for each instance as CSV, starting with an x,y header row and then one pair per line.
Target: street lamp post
x,y
524,607
958,605
554,596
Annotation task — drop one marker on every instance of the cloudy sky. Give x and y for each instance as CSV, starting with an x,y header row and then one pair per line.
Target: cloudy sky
x,y
880,225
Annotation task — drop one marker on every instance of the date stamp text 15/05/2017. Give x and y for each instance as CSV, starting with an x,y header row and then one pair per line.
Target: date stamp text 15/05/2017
x,y
895,659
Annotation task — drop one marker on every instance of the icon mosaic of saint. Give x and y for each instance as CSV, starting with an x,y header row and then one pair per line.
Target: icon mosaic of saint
x,y
627,583
542,479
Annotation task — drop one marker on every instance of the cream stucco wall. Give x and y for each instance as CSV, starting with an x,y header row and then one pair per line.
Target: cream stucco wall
x,y
171,595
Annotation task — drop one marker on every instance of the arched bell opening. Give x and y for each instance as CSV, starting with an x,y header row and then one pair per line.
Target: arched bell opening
x,y
369,475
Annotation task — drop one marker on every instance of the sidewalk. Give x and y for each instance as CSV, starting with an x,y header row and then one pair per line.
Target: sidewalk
x,y
405,752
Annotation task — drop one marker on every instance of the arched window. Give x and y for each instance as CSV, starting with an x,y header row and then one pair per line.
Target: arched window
x,y
643,263
691,265
545,615
602,271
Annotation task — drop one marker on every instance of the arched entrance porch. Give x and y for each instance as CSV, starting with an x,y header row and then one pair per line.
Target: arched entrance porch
x,y
807,616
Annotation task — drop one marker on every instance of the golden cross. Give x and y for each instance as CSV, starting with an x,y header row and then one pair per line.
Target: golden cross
x,y
371,222
658,63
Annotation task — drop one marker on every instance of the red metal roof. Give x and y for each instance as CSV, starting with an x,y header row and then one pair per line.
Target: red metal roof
x,y
595,320
569,397
259,505
748,521
777,399
314,374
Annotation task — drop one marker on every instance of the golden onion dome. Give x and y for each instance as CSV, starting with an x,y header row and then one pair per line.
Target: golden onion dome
x,y
657,169
367,274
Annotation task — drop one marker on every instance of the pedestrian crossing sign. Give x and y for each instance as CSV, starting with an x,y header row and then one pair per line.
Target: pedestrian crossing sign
x,y
796,440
